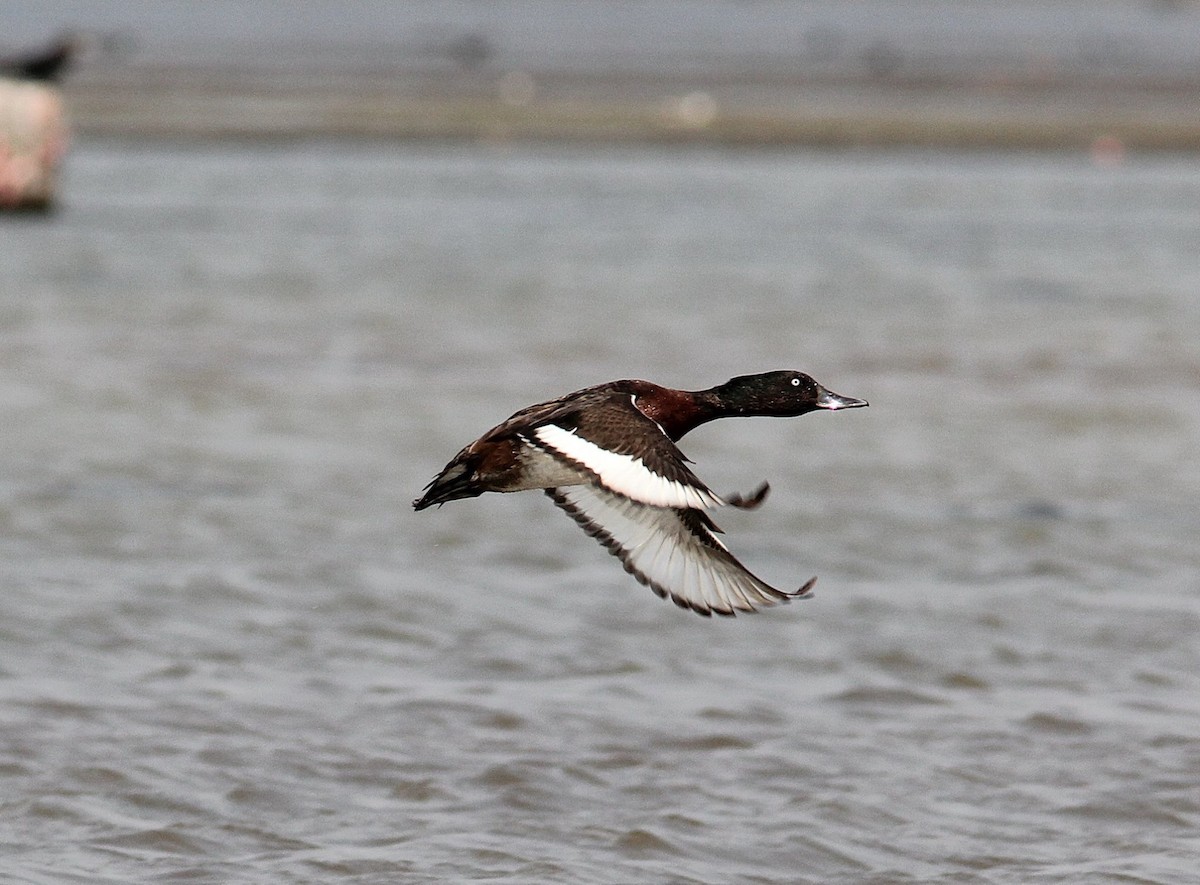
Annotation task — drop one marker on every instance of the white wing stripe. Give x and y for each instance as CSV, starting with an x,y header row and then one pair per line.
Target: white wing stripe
x,y
625,474
661,551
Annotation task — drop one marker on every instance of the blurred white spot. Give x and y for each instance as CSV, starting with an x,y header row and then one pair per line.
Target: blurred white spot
x,y
696,110
1107,151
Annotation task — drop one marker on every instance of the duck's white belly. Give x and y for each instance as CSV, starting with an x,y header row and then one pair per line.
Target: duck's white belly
x,y
542,471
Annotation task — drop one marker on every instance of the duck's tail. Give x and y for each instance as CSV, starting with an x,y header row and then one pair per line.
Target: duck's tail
x,y
457,480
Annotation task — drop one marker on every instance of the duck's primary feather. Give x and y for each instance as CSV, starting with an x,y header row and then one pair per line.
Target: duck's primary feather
x,y
673,551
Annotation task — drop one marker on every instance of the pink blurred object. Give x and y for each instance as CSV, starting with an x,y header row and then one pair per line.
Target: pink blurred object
x,y
33,140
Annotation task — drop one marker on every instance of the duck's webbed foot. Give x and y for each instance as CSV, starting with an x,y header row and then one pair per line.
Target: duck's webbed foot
x,y
751,501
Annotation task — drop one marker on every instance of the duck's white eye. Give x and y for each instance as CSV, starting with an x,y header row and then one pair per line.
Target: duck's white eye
x,y
795,382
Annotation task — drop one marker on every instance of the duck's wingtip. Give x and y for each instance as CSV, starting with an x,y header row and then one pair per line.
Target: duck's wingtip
x,y
805,592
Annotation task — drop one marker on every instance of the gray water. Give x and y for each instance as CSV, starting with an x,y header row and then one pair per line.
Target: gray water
x,y
1131,40
230,652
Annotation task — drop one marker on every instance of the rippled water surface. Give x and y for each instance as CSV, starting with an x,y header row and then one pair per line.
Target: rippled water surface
x,y
229,651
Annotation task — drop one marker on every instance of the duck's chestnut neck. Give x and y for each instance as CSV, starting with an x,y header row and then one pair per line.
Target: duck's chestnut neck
x,y
771,394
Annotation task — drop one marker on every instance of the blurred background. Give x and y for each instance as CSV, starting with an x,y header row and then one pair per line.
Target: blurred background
x,y
889,72
267,266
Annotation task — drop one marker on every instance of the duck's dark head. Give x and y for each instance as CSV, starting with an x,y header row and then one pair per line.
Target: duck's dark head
x,y
779,394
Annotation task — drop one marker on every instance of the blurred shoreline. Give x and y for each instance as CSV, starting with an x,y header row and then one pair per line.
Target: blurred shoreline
x,y
1021,110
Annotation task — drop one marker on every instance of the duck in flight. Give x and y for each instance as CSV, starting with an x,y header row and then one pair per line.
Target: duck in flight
x,y
606,455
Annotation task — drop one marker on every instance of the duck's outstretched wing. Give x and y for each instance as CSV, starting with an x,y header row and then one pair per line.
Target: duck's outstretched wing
x,y
673,551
